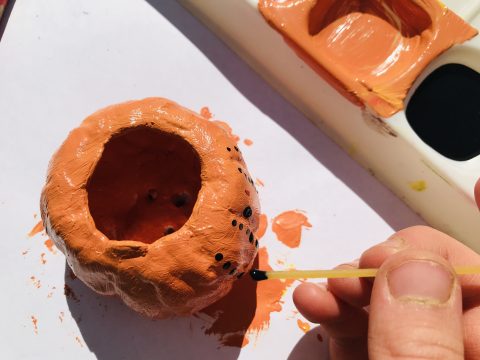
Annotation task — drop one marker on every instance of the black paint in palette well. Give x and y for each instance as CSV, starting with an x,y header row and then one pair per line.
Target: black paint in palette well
x,y
444,111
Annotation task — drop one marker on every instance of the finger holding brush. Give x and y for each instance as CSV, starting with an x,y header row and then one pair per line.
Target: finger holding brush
x,y
418,306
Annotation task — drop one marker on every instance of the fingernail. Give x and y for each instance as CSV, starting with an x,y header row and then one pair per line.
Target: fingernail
x,y
421,281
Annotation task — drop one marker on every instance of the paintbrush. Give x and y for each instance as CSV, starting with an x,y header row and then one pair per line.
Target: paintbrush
x,y
259,275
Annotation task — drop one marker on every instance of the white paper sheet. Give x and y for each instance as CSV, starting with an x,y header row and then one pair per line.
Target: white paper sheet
x,y
62,60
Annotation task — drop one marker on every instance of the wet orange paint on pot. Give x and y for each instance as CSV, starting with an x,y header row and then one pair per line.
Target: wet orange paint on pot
x,y
247,308
146,201
205,112
262,227
371,51
226,127
288,227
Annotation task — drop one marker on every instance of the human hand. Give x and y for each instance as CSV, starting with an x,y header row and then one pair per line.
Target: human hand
x,y
415,309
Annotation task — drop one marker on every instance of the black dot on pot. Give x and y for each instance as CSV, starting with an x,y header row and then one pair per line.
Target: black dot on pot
x,y
240,275
247,212
218,256
240,226
256,243
234,222
250,238
168,230
240,170
236,148
232,271
180,199
227,265
228,149
152,195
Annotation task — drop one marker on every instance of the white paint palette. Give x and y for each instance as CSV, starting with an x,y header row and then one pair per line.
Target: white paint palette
x,y
433,183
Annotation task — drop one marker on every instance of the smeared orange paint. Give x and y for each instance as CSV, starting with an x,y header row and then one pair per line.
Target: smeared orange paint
x,y
35,324
248,142
371,51
246,309
35,282
61,316
205,112
288,227
42,259
304,326
38,228
50,246
228,130
259,182
262,226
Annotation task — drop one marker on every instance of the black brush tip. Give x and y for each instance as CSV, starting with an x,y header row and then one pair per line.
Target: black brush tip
x,y
258,275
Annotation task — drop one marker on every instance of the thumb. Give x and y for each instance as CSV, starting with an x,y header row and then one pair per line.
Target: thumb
x,y
415,309
476,192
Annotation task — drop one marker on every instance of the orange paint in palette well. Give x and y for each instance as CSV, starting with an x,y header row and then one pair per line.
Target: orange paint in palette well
x,y
246,309
38,228
304,326
288,227
371,51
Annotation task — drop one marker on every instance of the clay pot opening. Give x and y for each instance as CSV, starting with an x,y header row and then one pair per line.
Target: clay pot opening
x,y
144,186
404,15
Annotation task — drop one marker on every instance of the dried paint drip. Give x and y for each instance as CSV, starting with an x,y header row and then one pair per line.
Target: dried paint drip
x,y
35,282
43,261
246,309
38,228
419,185
288,227
35,324
304,326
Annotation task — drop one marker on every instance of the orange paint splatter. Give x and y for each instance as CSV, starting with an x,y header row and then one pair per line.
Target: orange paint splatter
x,y
247,307
227,129
288,227
50,294
61,316
42,259
50,246
77,339
248,142
35,282
24,252
259,182
35,324
262,226
280,262
304,326
36,229
205,112
320,337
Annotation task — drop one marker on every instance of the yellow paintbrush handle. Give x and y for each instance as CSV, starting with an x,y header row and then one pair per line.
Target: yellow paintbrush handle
x,y
347,273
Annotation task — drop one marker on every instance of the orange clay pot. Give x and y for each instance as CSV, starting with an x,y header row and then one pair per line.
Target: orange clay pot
x,y
153,203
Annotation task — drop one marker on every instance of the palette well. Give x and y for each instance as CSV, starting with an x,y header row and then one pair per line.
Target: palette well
x,y
426,149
